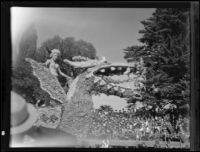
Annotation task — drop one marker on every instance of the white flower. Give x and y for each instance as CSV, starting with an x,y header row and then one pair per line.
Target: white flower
x,y
156,89
102,70
96,79
122,90
112,68
102,82
109,86
116,88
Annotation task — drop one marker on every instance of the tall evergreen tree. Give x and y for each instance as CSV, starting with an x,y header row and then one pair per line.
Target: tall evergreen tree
x,y
23,81
166,53
27,44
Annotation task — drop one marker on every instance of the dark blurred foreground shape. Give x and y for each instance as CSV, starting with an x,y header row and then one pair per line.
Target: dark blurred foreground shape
x,y
24,134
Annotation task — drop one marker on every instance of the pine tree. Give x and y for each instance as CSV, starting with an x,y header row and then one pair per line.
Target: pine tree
x,y
166,54
23,81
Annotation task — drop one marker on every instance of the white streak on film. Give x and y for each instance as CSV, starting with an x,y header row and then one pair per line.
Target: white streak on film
x,y
72,89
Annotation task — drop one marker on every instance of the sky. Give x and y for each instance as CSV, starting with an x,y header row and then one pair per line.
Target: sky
x,y
110,30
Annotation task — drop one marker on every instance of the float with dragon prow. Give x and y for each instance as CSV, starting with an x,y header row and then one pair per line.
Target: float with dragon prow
x,y
124,80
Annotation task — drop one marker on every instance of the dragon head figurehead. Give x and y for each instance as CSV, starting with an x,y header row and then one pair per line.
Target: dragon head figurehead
x,y
121,79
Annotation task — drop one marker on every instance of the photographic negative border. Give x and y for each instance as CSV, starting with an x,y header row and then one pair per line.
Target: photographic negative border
x,y
194,111
6,52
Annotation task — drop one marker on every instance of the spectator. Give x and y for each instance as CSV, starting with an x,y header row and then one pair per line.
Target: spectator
x,y
105,143
144,145
135,127
157,144
168,144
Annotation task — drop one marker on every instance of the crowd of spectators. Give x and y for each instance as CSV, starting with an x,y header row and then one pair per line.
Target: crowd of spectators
x,y
117,125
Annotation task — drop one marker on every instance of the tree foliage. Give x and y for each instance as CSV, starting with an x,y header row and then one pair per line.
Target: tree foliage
x,y
166,52
69,48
